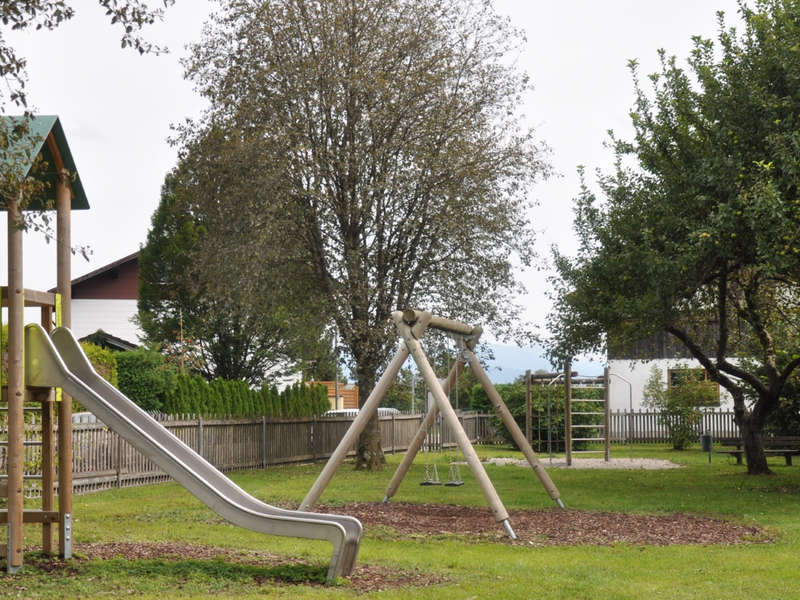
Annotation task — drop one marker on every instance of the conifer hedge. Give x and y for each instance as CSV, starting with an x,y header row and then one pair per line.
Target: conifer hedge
x,y
144,377
220,398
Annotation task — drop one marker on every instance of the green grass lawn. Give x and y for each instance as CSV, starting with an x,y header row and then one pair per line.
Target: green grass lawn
x,y
166,513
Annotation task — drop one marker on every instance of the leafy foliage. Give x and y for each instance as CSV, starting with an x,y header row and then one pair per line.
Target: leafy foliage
x,y
144,378
248,329
130,15
679,404
220,398
17,185
104,362
378,158
699,238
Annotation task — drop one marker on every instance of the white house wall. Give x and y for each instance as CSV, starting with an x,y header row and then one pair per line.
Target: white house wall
x,y
637,373
112,316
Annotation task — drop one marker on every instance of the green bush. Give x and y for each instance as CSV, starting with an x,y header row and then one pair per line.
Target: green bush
x,y
191,395
103,360
679,405
144,378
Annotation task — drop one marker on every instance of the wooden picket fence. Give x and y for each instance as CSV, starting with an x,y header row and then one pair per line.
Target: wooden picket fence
x,y
103,460
646,427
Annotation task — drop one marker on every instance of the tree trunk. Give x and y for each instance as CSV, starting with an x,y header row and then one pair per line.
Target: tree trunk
x,y
369,453
754,448
751,428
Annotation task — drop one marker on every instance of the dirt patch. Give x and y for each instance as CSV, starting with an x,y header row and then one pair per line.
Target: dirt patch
x,y
364,578
548,527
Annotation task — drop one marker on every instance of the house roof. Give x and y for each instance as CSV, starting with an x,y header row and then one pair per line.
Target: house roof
x,y
101,270
46,139
111,341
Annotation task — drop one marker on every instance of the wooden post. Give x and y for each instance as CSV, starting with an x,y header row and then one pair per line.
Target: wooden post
x,y
314,439
119,460
200,436
263,442
528,409
607,413
568,412
64,288
48,451
16,389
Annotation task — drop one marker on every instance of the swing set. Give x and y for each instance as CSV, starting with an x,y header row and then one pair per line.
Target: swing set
x,y
411,326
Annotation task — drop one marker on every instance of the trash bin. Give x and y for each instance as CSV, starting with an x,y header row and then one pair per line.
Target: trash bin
x,y
706,442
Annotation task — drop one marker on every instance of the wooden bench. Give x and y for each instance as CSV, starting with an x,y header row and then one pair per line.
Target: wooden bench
x,y
787,446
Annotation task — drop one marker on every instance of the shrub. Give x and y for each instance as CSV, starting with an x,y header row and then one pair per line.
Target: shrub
x,y
103,360
679,405
144,378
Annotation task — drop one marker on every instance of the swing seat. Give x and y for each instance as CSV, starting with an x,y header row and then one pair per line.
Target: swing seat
x,y
430,483
454,483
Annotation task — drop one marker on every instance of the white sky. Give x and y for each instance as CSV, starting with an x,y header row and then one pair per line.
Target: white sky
x,y
116,109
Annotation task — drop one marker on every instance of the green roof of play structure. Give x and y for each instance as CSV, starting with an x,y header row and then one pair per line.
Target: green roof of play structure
x,y
41,127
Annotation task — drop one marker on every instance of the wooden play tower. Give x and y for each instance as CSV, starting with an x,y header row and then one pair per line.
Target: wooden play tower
x,y
64,193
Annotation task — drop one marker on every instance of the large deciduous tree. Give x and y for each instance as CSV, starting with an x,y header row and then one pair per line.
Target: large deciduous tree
x,y
383,138
699,232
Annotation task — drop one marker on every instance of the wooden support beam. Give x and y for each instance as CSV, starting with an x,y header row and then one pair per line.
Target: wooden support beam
x,y
369,408
468,452
33,516
16,388
410,316
33,298
513,428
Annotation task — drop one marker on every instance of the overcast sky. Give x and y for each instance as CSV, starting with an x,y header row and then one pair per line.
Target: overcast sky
x,y
116,108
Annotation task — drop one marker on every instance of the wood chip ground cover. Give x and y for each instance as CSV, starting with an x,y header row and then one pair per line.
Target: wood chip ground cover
x,y
550,527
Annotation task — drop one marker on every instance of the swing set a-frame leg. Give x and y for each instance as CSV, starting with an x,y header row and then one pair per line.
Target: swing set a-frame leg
x,y
368,409
427,423
513,428
472,460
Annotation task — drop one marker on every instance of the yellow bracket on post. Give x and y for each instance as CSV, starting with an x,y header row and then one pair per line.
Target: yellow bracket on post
x,y
58,324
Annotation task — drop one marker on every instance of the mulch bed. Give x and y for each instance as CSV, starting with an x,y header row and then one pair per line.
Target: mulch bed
x,y
550,527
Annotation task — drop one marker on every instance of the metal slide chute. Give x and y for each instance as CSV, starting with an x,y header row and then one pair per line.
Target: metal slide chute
x,y
59,361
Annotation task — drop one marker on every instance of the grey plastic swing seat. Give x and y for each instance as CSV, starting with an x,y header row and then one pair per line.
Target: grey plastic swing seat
x,y
454,483
430,483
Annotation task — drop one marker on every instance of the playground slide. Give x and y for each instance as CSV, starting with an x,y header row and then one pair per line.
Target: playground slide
x,y
59,361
